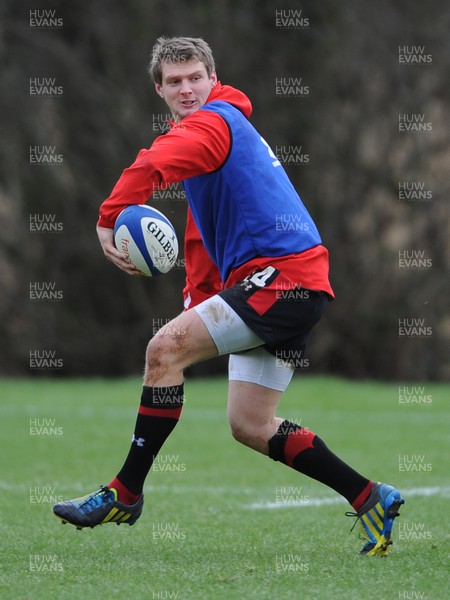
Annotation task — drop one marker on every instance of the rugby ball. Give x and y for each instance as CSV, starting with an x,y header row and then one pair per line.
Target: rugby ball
x,y
147,238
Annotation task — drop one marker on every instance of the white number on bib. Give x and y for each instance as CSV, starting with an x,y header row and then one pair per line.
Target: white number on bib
x,y
276,162
261,277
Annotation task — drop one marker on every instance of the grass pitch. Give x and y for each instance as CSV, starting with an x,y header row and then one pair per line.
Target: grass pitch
x,y
220,521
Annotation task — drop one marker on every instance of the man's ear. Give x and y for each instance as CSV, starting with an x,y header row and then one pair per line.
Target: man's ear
x,y
213,79
159,90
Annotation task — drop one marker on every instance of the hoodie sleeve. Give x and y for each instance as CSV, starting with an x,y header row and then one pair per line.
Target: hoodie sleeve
x,y
198,144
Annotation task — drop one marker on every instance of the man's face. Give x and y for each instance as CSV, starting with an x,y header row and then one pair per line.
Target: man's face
x,y
185,87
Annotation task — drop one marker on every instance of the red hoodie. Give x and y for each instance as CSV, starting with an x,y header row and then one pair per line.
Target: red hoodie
x,y
197,145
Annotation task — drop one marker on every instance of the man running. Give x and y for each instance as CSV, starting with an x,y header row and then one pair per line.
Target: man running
x,y
257,283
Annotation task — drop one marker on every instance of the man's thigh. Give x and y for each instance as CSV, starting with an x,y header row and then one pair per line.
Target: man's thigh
x,y
227,329
209,329
259,366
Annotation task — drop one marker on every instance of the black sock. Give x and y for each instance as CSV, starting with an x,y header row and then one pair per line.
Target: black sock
x,y
305,452
158,414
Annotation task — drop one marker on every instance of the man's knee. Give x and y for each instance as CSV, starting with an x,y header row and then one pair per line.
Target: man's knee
x,y
253,432
159,357
179,344
244,432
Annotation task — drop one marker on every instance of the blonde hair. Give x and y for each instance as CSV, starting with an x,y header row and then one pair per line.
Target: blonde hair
x,y
179,50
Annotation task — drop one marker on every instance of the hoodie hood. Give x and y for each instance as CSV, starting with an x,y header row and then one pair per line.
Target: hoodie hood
x,y
227,93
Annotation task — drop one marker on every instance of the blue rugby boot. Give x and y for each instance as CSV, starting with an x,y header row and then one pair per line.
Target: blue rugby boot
x,y
97,508
376,518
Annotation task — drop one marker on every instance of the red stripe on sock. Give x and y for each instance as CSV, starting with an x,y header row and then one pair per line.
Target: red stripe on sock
x,y
123,494
359,501
297,441
170,413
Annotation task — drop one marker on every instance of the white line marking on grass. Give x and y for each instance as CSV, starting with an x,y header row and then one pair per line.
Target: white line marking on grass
x,y
422,492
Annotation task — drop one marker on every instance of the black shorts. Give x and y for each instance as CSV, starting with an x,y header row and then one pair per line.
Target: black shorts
x,y
279,311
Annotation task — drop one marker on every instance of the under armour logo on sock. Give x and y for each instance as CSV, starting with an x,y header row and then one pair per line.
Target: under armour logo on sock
x,y
139,441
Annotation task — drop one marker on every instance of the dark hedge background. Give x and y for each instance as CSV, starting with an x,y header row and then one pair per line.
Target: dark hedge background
x,y
354,159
